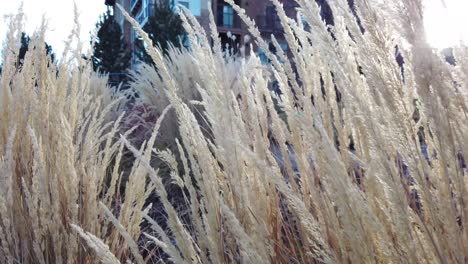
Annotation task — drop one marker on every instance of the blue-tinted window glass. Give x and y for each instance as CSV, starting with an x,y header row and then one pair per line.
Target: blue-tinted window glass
x,y
228,16
185,4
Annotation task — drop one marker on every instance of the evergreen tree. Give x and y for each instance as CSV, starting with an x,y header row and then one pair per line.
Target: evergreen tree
x,y
25,40
164,27
111,54
50,51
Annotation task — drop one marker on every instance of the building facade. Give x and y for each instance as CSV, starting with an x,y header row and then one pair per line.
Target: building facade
x,y
141,11
232,30
126,28
262,12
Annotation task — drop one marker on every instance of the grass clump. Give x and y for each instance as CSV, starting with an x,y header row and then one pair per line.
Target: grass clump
x,y
58,139
359,158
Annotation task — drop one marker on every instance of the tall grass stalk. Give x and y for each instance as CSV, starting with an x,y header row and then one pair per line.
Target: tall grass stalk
x,y
358,158
59,128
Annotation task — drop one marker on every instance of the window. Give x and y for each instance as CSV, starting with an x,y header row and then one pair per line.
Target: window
x,y
228,16
284,47
263,57
304,22
272,49
185,4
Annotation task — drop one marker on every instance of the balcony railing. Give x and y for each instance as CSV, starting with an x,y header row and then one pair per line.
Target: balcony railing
x,y
134,3
142,16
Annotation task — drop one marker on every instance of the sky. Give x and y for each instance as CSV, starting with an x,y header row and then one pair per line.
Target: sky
x,y
60,15
446,22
